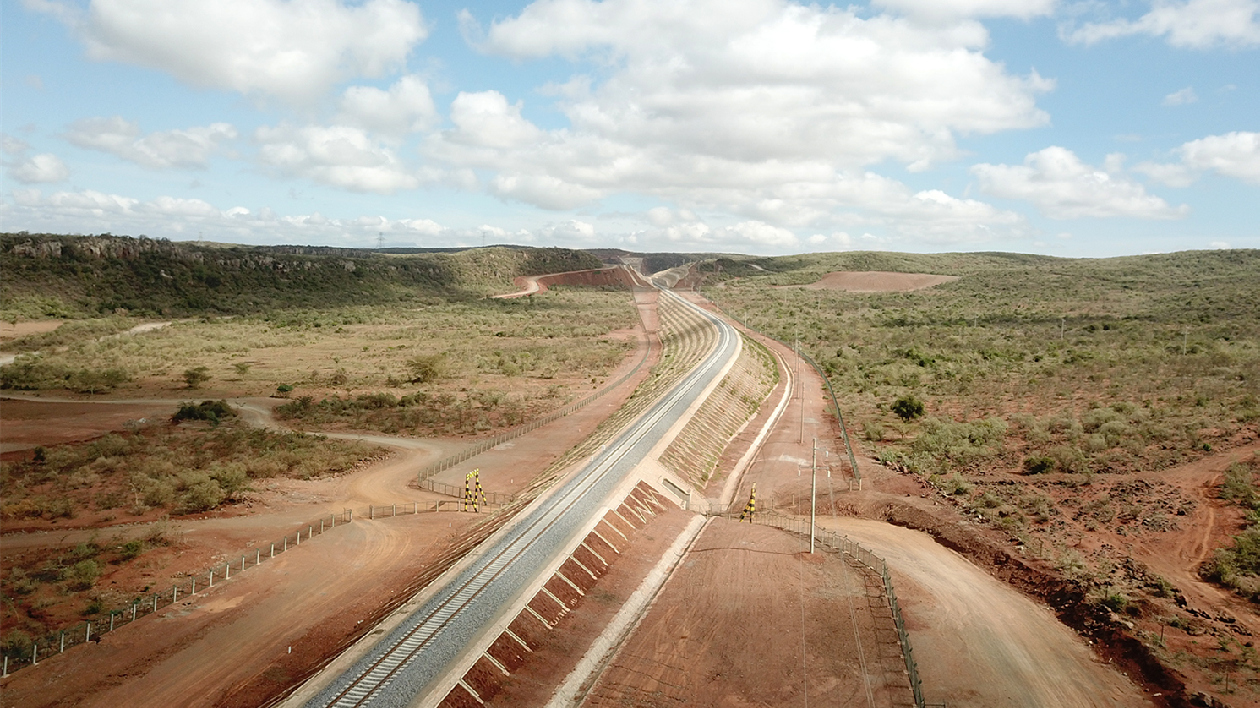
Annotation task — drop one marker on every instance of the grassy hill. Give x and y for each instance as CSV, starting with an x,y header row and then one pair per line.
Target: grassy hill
x,y
49,275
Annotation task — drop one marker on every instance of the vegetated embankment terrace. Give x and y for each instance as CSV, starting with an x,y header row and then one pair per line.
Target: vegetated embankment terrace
x,y
1095,418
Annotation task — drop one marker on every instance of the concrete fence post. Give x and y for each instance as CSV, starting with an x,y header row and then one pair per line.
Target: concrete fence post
x,y
371,511
273,550
87,636
286,544
193,590
299,538
174,594
227,571
257,556
321,525
134,606
393,509
212,577
111,621
6,667
242,564
310,531
63,641
35,654
155,601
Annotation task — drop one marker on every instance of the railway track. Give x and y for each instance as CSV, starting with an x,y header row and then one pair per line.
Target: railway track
x,y
404,665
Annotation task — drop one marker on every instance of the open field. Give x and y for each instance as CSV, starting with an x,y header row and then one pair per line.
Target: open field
x,y
1084,414
472,365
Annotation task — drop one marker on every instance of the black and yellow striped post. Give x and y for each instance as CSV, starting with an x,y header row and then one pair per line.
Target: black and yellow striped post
x,y
467,491
479,496
751,507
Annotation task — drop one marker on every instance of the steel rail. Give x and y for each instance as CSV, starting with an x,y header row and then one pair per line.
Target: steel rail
x,y
370,681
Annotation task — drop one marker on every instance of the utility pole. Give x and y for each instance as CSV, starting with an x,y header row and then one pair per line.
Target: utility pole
x,y
800,390
813,496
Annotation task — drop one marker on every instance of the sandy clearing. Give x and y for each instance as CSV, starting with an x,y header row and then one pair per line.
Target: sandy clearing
x,y
11,330
877,281
978,641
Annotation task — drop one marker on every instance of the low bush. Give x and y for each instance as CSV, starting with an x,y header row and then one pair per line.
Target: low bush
x,y
212,411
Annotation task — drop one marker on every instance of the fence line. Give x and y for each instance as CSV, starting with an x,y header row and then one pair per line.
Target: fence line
x,y
150,603
879,566
835,405
480,447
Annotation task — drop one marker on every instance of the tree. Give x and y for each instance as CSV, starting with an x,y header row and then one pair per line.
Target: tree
x,y
427,367
196,376
908,407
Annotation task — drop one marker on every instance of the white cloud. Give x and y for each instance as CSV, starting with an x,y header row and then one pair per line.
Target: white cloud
x,y
1197,24
542,190
485,119
1063,187
293,49
41,168
1181,98
341,156
407,107
34,169
767,110
947,9
68,212
1232,154
190,148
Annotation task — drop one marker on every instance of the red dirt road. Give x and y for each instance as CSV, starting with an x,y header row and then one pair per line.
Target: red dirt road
x,y
980,642
750,619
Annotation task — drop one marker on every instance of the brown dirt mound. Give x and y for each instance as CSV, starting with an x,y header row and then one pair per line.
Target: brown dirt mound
x,y
878,281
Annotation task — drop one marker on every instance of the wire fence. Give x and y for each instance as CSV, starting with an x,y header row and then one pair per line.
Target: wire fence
x,y
847,546
477,448
18,655
454,490
835,404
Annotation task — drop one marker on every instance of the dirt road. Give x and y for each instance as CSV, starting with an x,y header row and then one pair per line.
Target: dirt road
x,y
978,641
749,619
306,599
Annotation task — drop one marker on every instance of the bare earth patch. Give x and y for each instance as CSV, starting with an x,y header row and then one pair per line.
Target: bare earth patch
x,y
13,330
877,281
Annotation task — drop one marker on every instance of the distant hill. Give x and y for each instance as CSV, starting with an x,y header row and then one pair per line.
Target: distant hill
x,y
48,275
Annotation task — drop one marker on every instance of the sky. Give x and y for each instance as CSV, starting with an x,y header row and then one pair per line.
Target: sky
x,y
1080,129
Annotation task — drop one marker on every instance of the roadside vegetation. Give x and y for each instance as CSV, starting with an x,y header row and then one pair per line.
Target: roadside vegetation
x,y
199,461
1238,566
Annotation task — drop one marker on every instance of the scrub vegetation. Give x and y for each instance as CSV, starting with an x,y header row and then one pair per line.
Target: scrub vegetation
x,y
201,459
1055,403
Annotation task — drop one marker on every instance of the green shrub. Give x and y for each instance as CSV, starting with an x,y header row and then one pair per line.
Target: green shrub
x,y
196,376
908,407
131,549
213,411
83,575
1039,464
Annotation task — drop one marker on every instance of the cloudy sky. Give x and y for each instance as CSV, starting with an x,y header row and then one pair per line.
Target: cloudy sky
x,y
1087,128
